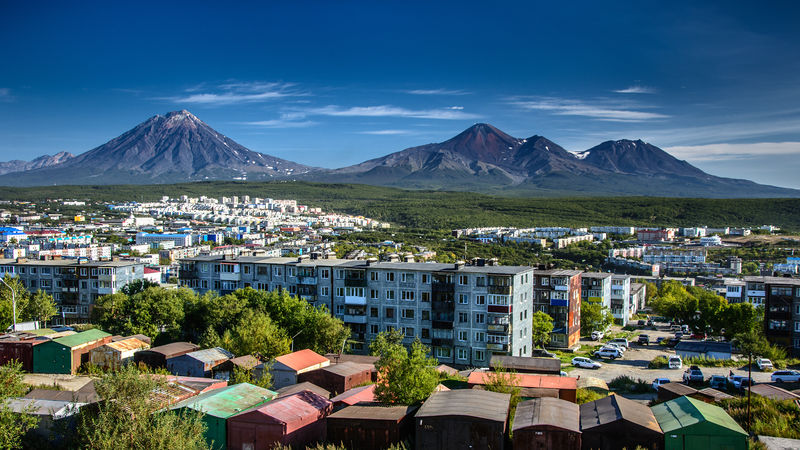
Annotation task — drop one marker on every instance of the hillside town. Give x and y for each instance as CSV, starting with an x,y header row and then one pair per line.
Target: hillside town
x,y
608,356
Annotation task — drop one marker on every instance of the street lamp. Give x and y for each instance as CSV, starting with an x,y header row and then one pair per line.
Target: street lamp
x,y
13,303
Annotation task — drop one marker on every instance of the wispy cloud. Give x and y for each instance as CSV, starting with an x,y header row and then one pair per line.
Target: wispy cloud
x,y
237,92
717,152
437,92
392,111
385,132
636,89
5,95
286,120
600,110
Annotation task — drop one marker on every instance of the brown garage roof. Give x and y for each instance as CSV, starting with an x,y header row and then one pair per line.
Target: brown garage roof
x,y
548,411
614,408
467,403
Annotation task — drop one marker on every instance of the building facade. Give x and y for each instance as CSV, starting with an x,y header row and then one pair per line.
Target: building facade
x,y
558,293
596,288
464,312
622,306
782,312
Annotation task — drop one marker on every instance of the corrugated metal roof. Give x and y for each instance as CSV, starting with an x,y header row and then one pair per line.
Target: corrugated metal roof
x,y
227,401
82,338
548,411
64,396
302,359
467,403
374,412
703,346
683,412
526,363
211,355
127,344
614,408
304,386
174,348
292,407
527,380
355,395
678,388
715,394
54,408
773,392
347,368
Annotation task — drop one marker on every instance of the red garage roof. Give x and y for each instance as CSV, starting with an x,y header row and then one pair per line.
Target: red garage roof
x,y
302,359
528,381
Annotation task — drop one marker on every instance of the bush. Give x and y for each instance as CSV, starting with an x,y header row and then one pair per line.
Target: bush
x,y
627,385
659,362
588,395
785,363
769,417
711,362
629,328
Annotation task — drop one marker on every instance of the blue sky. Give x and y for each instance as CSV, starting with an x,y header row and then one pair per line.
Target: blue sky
x,y
338,82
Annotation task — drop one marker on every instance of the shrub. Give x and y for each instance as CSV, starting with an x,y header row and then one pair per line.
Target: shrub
x,y
626,384
710,362
588,395
770,417
659,362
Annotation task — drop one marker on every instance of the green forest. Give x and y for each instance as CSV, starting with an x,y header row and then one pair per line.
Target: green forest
x,y
447,210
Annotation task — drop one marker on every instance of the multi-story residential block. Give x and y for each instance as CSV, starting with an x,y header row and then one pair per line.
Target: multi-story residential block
x,y
465,312
622,308
180,240
558,293
782,312
565,241
596,288
669,255
74,284
648,235
638,297
755,291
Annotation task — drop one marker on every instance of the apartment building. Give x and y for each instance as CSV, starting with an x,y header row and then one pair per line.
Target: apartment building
x,y
179,240
638,297
622,308
558,293
596,288
74,284
647,235
754,292
782,312
464,312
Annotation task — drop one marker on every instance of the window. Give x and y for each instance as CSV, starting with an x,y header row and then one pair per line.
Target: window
x,y
500,300
325,273
782,291
340,274
324,291
426,296
407,313
463,299
520,315
462,335
389,295
204,284
94,272
462,353
407,277
545,281
373,312
390,313
408,331
480,336
373,276
339,309
83,271
20,269
480,318
407,295
426,278
339,292
480,299
354,291
480,281
426,315
463,280
290,271
480,355
443,352
463,317
373,329
277,271
389,276
246,269
426,333
45,284
373,294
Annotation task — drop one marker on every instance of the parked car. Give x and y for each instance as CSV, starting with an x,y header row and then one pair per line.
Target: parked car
x,y
679,335
660,339
674,362
672,342
764,364
586,363
597,335
660,381
693,375
621,341
718,382
644,339
542,353
785,376
649,322
564,374
740,381
685,329
615,345
608,352
641,323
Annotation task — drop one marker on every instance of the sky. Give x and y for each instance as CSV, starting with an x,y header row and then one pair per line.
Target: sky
x,y
334,83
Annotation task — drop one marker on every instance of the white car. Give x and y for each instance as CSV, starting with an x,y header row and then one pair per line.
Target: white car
x,y
740,381
586,363
622,342
615,345
764,364
660,381
674,362
608,352
597,335
785,376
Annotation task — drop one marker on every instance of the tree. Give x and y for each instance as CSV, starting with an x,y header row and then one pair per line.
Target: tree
x,y
405,376
13,426
20,294
41,307
137,286
154,312
129,416
242,375
384,341
257,334
594,316
540,329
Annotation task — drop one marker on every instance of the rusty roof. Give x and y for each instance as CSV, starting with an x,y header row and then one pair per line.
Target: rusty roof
x,y
302,359
547,411
614,408
467,403
526,363
346,369
356,395
127,344
304,386
292,407
527,380
373,412
715,394
678,388
175,348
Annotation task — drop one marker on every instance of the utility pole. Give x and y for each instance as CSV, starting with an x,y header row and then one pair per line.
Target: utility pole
x,y
13,303
749,386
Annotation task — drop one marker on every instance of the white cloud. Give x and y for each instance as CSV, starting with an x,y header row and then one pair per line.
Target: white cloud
x,y
636,89
287,120
385,132
714,152
5,95
600,111
237,92
436,92
391,111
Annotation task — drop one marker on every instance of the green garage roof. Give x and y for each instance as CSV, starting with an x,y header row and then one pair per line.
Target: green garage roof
x,y
227,401
684,412
85,337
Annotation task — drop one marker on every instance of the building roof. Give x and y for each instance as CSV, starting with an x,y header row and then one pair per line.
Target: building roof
x,y
548,411
684,412
246,362
174,348
527,380
82,338
55,408
301,359
304,386
600,275
776,443
227,401
347,368
558,272
79,396
211,355
703,346
344,357
479,404
292,407
356,395
374,412
526,363
714,394
614,408
678,388
773,392
149,270
127,344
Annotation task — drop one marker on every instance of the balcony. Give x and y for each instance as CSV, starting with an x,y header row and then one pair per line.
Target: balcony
x,y
443,306
355,282
751,293
353,300
230,276
500,290
104,291
505,309
307,280
561,287
499,328
443,287
497,347
442,325
559,302
350,318
442,342
186,274
69,309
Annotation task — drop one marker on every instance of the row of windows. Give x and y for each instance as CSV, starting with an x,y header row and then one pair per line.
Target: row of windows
x,y
55,270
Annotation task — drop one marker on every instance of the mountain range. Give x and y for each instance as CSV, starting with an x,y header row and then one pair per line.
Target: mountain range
x,y
179,147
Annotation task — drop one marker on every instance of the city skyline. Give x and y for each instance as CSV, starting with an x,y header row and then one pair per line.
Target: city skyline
x,y
711,84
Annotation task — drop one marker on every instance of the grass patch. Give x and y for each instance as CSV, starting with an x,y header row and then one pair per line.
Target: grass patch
x,y
588,395
786,363
659,362
711,362
627,385
770,417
